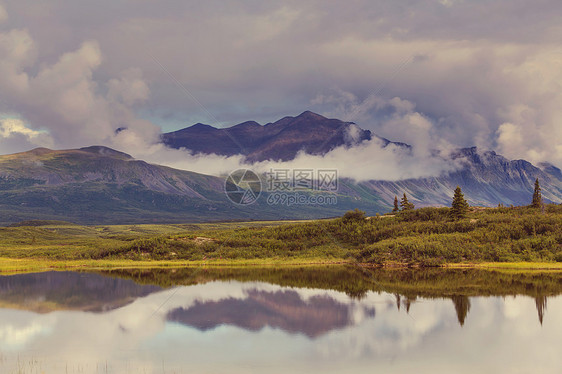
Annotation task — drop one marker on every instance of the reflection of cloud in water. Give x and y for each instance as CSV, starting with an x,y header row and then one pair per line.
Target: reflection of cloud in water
x,y
281,309
13,336
497,335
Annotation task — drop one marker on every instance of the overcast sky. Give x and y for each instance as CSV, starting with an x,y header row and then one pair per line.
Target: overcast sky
x,y
435,72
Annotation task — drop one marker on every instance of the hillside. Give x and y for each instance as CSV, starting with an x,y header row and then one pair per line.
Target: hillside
x,y
486,178
422,237
98,185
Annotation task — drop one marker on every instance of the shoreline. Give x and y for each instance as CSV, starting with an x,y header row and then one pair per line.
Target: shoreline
x,y
27,265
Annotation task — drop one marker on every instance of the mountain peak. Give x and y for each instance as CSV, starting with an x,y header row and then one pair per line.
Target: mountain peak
x,y
307,114
281,140
40,151
105,151
247,125
202,126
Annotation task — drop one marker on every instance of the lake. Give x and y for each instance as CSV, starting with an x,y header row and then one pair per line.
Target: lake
x,y
329,319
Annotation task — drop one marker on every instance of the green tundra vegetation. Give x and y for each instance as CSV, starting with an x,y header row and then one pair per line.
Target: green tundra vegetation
x,y
412,237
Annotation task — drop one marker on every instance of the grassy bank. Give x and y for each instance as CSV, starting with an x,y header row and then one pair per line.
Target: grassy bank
x,y
15,265
422,237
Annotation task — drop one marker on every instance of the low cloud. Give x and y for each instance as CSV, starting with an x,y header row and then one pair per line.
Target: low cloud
x,y
370,161
426,155
435,74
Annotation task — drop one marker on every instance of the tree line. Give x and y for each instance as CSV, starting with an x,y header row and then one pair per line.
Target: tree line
x,y
459,205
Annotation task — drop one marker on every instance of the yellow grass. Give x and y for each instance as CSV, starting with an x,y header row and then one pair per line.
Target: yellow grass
x,y
12,265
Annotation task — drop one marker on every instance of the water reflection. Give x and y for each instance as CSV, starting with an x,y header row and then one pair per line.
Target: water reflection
x,y
407,285
49,291
280,309
462,306
268,321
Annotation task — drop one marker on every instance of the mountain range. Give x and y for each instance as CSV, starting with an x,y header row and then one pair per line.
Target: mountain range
x,y
100,185
277,141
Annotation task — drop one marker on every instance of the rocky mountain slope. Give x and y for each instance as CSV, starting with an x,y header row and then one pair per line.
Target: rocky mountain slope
x,y
101,185
280,140
97,164
486,178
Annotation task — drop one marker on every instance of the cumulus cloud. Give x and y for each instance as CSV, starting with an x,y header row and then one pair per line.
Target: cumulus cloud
x,y
68,100
129,89
15,136
11,126
64,97
17,50
435,74
3,14
532,122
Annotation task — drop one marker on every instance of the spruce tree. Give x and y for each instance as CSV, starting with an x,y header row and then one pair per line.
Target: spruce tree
x,y
537,197
405,204
460,205
462,306
396,208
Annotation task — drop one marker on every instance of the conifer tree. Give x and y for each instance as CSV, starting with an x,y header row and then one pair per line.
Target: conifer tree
x,y
396,208
405,204
462,306
460,205
537,197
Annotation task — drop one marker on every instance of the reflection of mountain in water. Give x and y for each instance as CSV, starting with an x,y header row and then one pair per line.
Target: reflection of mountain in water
x,y
285,310
461,284
45,292
458,285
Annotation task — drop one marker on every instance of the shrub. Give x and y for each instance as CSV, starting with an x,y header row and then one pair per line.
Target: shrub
x,y
354,215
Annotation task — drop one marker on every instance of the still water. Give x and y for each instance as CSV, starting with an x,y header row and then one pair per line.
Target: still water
x,y
325,320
